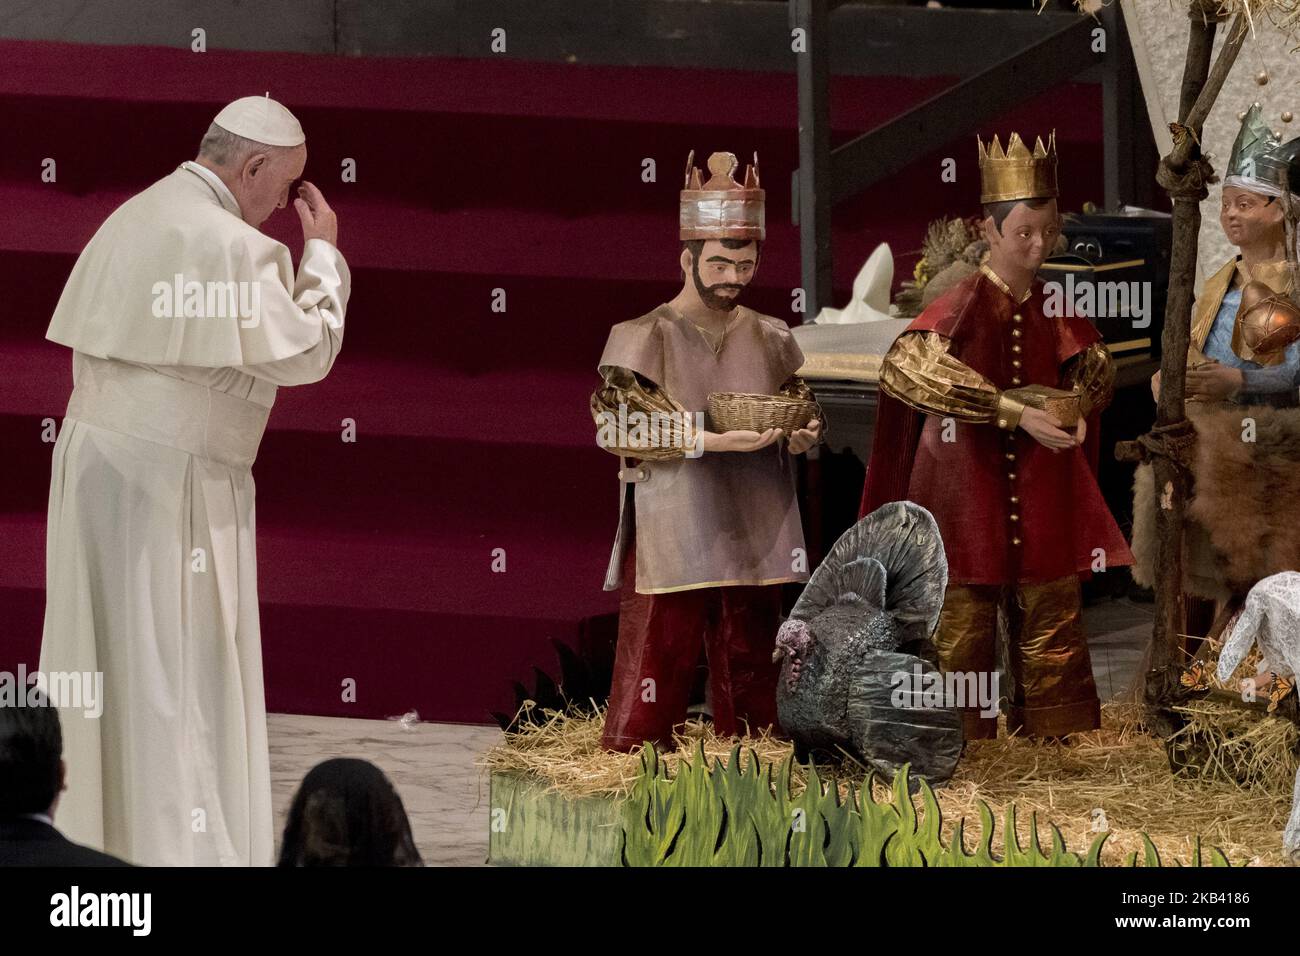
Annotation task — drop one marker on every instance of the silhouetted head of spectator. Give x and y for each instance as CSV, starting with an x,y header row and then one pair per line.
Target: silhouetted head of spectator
x,y
346,813
31,751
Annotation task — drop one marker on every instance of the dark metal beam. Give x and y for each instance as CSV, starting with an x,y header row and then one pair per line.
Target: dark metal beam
x,y
870,40
812,199
1057,58
1131,156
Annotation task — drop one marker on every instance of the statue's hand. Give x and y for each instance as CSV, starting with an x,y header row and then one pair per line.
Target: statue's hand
x,y
1214,382
741,440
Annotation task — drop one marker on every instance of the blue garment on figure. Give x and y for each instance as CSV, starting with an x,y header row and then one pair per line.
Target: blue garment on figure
x,y
1258,379
1218,344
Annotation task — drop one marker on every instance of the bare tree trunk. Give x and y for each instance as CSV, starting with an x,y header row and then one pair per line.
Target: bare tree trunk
x,y
1200,87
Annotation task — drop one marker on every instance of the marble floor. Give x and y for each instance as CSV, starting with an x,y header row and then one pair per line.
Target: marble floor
x,y
431,765
1118,632
445,794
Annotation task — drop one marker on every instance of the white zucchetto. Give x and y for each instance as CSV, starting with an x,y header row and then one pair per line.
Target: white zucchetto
x,y
262,120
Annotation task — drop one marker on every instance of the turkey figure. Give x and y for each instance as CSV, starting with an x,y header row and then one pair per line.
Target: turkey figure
x,y
864,619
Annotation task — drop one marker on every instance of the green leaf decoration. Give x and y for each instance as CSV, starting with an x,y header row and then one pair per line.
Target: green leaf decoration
x,y
929,837
955,855
699,802
1094,851
840,830
732,813
739,844
1152,854
768,814
853,825
1012,855
657,817
902,848
1060,855
806,825
1016,855
988,830
876,824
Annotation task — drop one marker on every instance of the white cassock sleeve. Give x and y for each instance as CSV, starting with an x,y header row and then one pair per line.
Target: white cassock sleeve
x,y
173,278
319,299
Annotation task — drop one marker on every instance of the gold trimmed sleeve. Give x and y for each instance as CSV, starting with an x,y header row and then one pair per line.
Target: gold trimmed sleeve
x,y
631,393
918,371
1009,410
1091,373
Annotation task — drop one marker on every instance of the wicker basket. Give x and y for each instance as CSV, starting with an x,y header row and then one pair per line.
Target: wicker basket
x,y
738,411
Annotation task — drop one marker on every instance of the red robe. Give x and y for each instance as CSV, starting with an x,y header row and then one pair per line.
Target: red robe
x,y
968,484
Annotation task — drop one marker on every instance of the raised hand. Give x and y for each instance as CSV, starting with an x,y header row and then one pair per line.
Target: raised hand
x,y
318,219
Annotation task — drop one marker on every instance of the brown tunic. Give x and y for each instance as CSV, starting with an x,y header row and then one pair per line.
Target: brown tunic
x,y
723,518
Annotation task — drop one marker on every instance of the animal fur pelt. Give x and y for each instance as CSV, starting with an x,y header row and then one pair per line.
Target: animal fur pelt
x,y
1201,575
1243,522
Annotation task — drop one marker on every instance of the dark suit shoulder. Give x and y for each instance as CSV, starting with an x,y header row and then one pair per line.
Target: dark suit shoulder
x,y
34,843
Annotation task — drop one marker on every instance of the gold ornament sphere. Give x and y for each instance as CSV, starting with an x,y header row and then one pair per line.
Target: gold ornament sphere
x,y
1241,116
1288,116
1262,77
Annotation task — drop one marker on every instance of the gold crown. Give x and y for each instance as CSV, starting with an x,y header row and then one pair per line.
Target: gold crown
x,y
721,208
1017,173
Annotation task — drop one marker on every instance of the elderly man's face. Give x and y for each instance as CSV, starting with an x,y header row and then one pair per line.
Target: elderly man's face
x,y
1249,218
264,182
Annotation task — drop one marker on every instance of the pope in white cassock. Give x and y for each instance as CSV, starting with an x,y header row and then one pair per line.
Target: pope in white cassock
x,y
183,319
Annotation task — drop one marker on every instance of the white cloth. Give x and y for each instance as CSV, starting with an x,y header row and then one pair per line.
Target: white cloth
x,y
151,559
1270,618
224,195
870,302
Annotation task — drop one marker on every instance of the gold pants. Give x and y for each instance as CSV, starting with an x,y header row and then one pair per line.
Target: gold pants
x,y
1052,691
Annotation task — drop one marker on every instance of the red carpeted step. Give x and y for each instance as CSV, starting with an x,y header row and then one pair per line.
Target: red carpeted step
x,y
550,323
414,622
145,76
399,486
494,244
569,166
448,574
428,450
384,396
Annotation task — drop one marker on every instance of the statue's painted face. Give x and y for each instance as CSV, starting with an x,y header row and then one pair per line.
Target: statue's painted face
x,y
721,274
1249,218
1028,236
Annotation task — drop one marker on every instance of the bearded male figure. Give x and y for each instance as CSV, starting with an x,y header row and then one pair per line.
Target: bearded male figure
x,y
709,527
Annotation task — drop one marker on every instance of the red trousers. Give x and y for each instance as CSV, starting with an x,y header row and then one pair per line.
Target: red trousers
x,y
659,641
